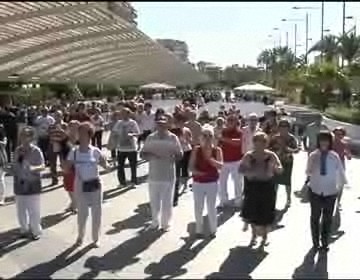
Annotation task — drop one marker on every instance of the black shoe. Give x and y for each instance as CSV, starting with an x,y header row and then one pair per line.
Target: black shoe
x,y
24,235
199,236
212,235
54,182
175,203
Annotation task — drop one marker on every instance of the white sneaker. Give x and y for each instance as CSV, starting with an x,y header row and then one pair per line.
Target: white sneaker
x,y
2,202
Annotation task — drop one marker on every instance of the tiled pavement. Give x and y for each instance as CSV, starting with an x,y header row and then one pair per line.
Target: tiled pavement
x,y
128,250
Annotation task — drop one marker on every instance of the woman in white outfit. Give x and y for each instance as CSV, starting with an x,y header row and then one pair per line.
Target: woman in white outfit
x,y
161,148
3,163
28,163
87,188
205,162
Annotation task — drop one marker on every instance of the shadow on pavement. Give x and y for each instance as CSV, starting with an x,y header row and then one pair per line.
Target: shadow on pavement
x,y
225,215
279,215
10,240
47,269
54,219
171,265
121,256
310,269
48,188
110,194
239,264
139,220
142,179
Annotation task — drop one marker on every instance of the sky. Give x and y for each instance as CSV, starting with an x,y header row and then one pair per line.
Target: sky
x,y
226,33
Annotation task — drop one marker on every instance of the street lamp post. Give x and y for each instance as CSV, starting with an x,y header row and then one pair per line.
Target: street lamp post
x,y
278,29
322,19
295,32
306,37
306,28
287,38
295,38
343,28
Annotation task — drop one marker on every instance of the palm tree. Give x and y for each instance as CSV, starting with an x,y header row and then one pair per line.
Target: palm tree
x,y
329,46
349,46
323,79
277,60
265,59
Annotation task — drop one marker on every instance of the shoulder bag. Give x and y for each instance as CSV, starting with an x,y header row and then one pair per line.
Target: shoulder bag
x,y
90,185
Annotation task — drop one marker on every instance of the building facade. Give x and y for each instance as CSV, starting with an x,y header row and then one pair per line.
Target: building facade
x,y
124,10
178,48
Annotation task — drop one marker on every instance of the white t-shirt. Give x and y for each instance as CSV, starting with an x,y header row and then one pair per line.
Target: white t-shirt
x,y
98,123
86,164
122,128
42,124
146,121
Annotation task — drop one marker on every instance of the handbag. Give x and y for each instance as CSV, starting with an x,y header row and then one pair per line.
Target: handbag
x,y
27,187
91,185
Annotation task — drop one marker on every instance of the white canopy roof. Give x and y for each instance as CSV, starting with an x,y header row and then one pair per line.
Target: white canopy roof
x,y
255,87
82,42
157,86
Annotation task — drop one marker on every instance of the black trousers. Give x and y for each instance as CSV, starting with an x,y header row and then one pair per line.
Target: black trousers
x,y
97,139
53,156
132,158
11,145
322,208
182,171
43,143
142,137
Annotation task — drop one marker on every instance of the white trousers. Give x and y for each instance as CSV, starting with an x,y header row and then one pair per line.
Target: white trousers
x,y
28,213
230,169
205,192
86,202
161,202
2,185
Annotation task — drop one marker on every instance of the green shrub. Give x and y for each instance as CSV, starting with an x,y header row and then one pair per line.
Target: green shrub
x,y
344,114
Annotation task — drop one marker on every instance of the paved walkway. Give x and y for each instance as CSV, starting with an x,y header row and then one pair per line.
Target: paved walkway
x,y
129,251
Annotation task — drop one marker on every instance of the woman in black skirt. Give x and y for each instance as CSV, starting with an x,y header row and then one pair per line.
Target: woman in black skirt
x,y
259,167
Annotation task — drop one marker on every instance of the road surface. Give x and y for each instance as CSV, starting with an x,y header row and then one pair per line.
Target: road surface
x,y
129,251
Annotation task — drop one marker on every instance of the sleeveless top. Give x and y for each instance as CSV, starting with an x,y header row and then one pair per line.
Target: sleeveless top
x,y
202,165
260,169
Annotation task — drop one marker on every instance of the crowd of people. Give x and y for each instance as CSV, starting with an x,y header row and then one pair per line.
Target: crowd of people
x,y
184,149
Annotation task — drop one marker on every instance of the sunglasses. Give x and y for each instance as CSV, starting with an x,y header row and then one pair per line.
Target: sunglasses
x,y
207,135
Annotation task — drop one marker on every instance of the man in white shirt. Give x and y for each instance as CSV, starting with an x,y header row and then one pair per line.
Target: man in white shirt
x,y
42,123
146,121
326,177
127,131
249,132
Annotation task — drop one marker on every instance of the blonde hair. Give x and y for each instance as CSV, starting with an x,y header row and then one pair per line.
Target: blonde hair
x,y
260,136
207,128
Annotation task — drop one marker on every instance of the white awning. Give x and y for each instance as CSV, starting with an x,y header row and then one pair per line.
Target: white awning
x,y
255,88
157,86
82,42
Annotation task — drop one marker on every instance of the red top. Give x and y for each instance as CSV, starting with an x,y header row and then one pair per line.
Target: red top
x,y
81,117
231,152
340,147
211,174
